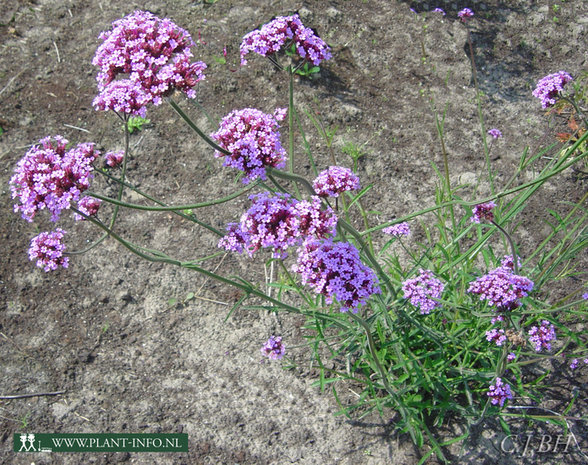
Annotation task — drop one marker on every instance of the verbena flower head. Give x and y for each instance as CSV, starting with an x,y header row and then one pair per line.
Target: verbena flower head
x,y
334,181
511,357
483,211
253,139
502,288
439,10
541,336
114,159
495,133
499,392
508,262
153,56
88,206
549,88
51,177
465,14
423,291
279,221
274,348
283,30
398,230
497,336
335,270
47,249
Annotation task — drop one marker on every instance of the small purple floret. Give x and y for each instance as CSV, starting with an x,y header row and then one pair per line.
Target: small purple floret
x,y
499,392
47,249
541,336
334,181
549,88
423,291
274,348
397,230
483,211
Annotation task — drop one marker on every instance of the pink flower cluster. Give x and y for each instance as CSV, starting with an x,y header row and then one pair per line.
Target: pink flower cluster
x,y
153,56
464,14
549,88
334,181
496,335
278,221
274,348
113,159
542,335
89,206
423,291
501,287
51,177
47,249
499,392
335,270
253,139
397,230
271,37
483,211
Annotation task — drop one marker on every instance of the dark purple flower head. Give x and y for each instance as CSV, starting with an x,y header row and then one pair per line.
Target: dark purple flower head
x,y
283,30
51,177
465,14
499,392
334,181
397,230
423,291
483,211
114,159
495,133
274,348
335,270
541,336
253,139
88,206
150,53
496,335
279,221
47,249
501,288
549,88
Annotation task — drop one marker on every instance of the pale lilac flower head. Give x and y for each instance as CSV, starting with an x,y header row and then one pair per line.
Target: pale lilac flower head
x,y
499,392
495,133
423,291
47,249
550,87
483,211
274,348
279,221
114,159
153,56
334,181
585,296
51,177
541,336
439,10
465,14
398,230
502,288
253,139
496,335
89,206
284,30
335,270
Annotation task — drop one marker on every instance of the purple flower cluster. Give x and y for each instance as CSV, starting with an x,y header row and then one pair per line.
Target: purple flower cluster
x,y
549,88
497,336
465,14
398,230
51,177
152,54
253,139
88,206
335,270
483,211
278,221
541,336
502,288
334,181
423,291
274,348
576,362
495,133
47,249
114,159
439,10
271,37
499,392
508,262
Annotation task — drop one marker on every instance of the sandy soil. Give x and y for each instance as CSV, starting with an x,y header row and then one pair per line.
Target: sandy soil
x,y
103,331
